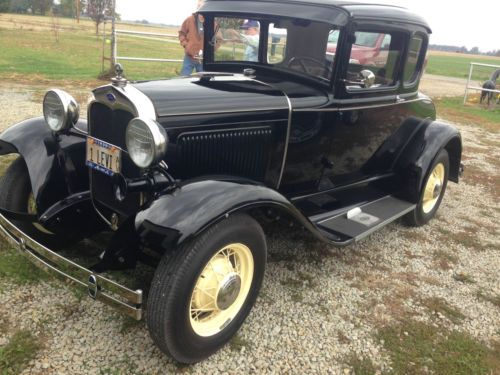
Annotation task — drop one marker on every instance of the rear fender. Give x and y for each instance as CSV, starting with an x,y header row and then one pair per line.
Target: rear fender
x,y
182,215
419,153
56,167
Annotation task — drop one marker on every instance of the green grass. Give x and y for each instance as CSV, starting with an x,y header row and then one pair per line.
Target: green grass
x,y
418,348
453,110
464,278
17,269
77,56
361,366
458,65
440,306
21,349
237,343
493,299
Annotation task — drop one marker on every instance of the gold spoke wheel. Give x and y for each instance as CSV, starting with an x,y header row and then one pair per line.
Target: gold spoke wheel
x,y
433,188
221,289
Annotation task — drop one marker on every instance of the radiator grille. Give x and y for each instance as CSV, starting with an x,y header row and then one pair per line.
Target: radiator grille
x,y
109,126
239,152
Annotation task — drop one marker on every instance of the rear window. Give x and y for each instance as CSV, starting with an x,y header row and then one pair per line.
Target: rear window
x,y
379,53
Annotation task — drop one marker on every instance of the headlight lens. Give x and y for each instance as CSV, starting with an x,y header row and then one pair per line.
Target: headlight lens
x,y
146,141
60,110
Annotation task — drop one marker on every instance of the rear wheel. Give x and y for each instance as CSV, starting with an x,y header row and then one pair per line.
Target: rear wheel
x,y
201,295
432,192
16,195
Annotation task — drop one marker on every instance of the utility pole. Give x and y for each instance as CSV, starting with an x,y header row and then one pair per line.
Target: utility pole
x,y
113,36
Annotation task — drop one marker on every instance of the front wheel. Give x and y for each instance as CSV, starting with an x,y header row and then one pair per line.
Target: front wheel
x,y
201,295
432,192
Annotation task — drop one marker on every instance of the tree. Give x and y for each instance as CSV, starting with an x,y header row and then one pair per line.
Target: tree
x,y
20,6
98,9
69,8
4,5
41,6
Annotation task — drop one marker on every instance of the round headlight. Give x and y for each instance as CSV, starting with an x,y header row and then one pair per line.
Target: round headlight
x,y
146,141
60,110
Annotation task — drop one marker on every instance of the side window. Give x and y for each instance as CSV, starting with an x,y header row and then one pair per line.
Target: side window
x,y
378,53
276,44
411,64
239,38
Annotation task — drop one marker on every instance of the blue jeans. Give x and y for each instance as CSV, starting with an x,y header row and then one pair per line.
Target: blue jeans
x,y
189,64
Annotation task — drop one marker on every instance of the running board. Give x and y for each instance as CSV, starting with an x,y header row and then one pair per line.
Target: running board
x,y
356,223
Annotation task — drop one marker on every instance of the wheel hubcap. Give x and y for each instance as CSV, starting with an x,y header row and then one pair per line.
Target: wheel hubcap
x,y
433,188
229,290
221,289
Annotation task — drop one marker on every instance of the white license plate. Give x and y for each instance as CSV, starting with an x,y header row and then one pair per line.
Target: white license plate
x,y
103,156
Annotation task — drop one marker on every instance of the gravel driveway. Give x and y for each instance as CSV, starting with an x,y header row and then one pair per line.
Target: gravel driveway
x,y
319,307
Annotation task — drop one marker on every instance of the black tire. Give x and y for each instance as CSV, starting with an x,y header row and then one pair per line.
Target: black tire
x,y
420,216
15,191
169,315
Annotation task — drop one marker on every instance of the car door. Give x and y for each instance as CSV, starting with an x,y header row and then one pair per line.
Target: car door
x,y
366,115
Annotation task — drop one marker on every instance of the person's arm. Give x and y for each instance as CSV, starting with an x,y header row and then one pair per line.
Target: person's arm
x,y
252,41
233,36
183,33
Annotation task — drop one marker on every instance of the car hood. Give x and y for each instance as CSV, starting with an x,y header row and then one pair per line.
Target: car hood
x,y
211,94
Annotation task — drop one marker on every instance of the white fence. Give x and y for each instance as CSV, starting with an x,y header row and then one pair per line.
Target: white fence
x,y
114,37
168,38
468,85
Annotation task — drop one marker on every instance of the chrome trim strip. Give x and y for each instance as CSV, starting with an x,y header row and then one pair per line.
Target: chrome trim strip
x,y
143,105
221,112
345,109
118,296
289,128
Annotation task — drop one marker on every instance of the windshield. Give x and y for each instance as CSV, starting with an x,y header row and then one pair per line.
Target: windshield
x,y
290,44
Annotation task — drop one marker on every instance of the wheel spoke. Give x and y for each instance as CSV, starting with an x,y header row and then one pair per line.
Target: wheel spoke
x,y
205,307
204,290
210,310
215,271
428,193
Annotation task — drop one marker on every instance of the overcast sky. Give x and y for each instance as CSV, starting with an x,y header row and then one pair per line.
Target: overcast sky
x,y
452,22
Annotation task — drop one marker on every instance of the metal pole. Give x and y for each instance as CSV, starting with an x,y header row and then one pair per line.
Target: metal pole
x,y
77,11
468,82
113,39
103,45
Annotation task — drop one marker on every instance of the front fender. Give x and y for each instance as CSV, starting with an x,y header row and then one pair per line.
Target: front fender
x,y
56,167
177,217
420,152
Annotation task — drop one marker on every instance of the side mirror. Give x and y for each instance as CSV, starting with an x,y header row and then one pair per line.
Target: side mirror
x,y
368,78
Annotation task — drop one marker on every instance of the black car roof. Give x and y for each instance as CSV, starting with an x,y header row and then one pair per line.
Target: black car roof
x,y
331,11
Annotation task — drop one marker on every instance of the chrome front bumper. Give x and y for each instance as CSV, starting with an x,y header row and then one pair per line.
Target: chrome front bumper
x,y
121,298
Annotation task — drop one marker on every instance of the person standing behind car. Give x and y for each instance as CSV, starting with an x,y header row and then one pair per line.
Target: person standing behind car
x,y
250,37
191,39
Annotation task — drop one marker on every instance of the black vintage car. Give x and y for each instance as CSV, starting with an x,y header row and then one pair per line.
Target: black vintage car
x,y
288,123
